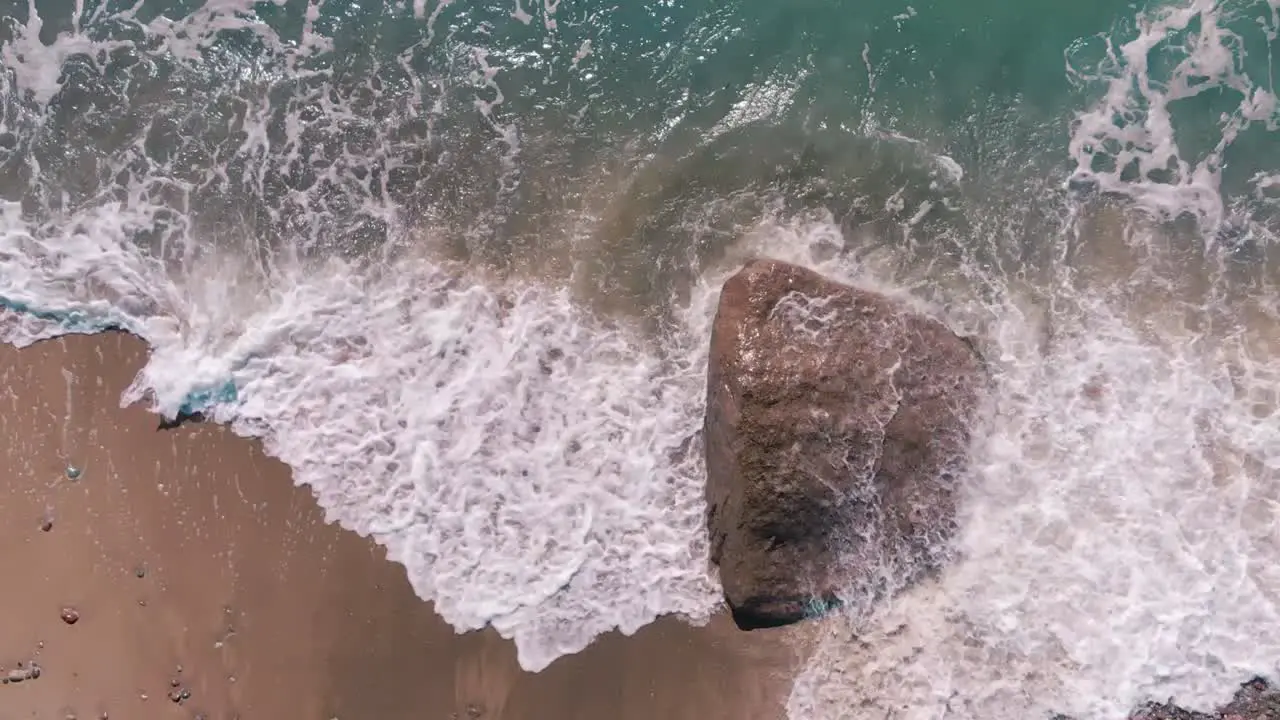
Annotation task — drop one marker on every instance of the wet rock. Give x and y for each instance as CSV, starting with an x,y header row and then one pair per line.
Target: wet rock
x,y
22,673
837,423
1256,699
73,472
178,694
182,418
70,616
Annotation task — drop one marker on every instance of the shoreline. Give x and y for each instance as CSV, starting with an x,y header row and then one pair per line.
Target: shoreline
x,y
206,583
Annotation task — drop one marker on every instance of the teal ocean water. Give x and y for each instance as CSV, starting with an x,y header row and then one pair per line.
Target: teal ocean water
x,y
455,262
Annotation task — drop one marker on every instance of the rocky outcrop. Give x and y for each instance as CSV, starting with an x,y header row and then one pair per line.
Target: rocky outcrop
x,y
1255,700
837,422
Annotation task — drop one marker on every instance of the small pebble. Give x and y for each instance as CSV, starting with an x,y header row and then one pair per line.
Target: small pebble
x,y
140,571
74,472
70,616
173,683
46,524
175,696
185,694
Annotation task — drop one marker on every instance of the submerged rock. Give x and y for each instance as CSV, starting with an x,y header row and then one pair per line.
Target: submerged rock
x,y
1255,700
837,421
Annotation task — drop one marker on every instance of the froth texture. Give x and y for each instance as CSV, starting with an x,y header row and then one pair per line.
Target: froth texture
x,y
527,463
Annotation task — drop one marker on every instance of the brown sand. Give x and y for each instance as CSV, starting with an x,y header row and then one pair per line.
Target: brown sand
x,y
194,564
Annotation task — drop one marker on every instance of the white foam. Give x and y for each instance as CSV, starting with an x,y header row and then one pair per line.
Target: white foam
x,y
1135,121
522,460
1117,531
533,466
526,459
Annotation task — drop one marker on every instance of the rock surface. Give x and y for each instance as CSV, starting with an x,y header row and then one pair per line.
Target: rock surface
x,y
837,421
1255,700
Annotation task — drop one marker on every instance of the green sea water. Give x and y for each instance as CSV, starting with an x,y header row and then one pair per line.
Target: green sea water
x,y
455,262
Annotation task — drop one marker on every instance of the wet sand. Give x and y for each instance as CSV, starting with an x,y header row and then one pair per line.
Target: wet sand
x,y
203,583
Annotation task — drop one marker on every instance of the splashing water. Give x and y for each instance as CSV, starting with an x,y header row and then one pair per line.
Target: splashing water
x,y
455,263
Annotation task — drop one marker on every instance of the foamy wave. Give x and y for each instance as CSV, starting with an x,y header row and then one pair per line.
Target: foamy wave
x,y
1146,138
532,467
535,466
1116,531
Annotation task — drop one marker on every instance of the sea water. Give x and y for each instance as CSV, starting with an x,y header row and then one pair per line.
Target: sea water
x,y
455,262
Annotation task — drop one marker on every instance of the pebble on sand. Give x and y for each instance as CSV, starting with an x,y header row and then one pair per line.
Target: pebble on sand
x,y
20,674
70,616
74,472
46,524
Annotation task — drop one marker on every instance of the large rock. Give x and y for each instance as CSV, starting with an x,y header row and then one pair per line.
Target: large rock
x,y
837,422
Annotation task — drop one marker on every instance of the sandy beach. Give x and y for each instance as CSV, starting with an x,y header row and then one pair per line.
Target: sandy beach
x,y
179,573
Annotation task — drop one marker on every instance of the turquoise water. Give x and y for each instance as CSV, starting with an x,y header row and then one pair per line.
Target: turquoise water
x,y
456,262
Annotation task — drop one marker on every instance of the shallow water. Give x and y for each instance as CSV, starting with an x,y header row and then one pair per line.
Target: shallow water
x,y
455,262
